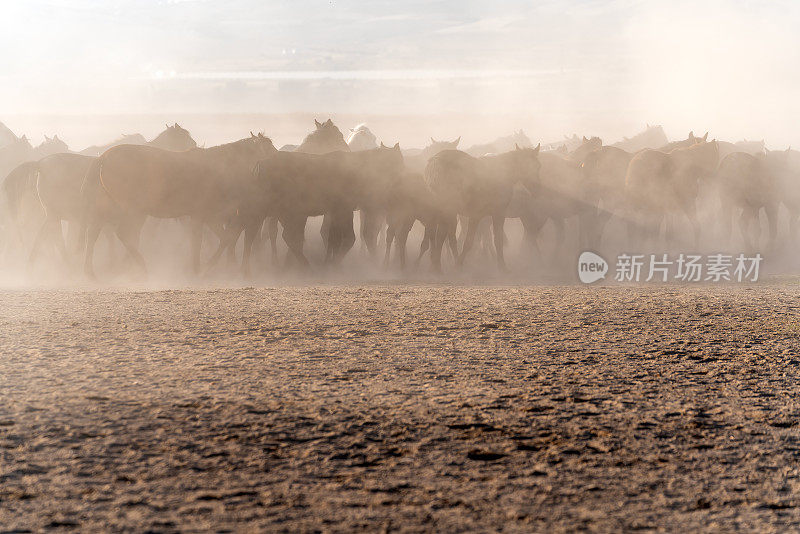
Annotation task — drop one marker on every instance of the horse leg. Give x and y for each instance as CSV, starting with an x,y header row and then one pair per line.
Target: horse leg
x,y
272,234
445,227
347,236
61,245
441,228
772,220
390,235
369,225
745,222
401,239
498,223
324,230
472,227
425,244
251,231
229,238
127,233
92,233
294,228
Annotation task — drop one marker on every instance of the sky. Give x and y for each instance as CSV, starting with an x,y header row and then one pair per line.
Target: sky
x,y
730,66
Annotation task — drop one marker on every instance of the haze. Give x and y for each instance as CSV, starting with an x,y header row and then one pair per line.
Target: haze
x,y
599,68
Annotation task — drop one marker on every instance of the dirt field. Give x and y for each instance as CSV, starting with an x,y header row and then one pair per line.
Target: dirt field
x,y
401,408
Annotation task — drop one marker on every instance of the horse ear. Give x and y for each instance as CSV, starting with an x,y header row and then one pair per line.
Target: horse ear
x,y
705,137
176,126
252,134
585,140
516,147
647,124
537,149
382,145
317,123
433,141
691,135
397,146
457,140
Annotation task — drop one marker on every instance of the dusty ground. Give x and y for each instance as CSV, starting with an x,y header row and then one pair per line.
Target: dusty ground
x,y
410,408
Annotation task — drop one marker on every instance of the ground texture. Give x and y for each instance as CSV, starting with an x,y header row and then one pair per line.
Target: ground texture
x,y
401,408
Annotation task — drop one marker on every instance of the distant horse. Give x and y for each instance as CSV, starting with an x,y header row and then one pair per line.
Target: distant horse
x,y
7,137
417,159
569,144
748,147
652,137
690,140
132,139
128,183
12,155
501,144
361,138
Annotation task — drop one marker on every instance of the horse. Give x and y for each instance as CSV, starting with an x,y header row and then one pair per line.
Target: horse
x,y
361,138
501,144
411,202
690,140
60,177
604,171
417,159
652,137
132,139
748,183
477,187
326,137
19,151
292,186
128,183
659,184
7,137
748,147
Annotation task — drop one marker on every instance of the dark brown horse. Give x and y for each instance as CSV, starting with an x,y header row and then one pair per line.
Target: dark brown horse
x,y
477,188
292,186
660,184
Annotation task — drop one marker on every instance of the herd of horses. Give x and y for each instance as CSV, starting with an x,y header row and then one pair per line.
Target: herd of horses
x,y
252,189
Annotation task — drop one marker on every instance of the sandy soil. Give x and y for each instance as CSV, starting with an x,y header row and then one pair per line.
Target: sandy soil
x,y
401,408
